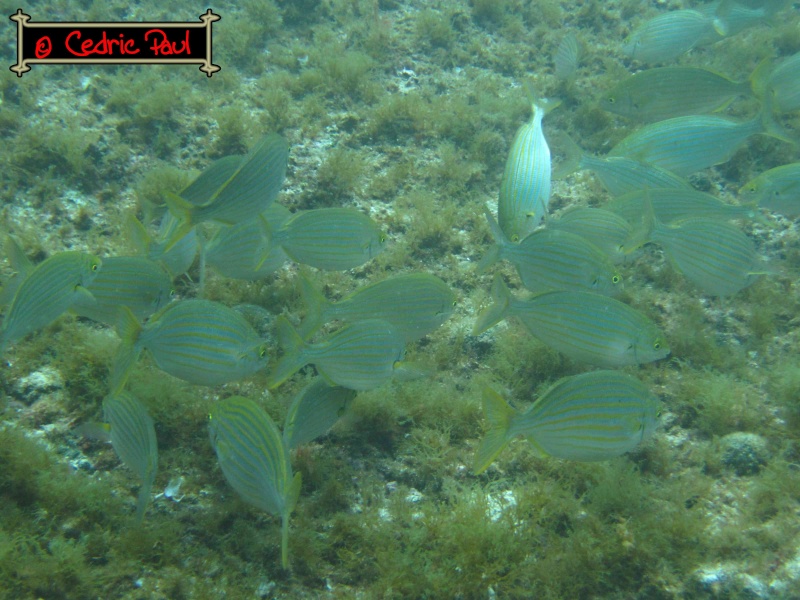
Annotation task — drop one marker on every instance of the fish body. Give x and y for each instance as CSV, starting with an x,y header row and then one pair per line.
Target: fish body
x,y
255,460
331,239
525,188
714,255
199,341
245,194
587,327
133,437
141,284
685,145
777,189
603,228
667,36
671,205
359,356
667,92
413,304
49,290
554,260
589,417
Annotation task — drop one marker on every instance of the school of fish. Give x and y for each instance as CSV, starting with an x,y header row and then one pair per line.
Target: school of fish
x,y
229,217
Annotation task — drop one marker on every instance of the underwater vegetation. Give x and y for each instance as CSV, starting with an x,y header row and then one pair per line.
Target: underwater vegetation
x,y
358,356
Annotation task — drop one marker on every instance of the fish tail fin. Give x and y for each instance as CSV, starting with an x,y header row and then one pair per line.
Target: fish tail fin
x,y
266,230
545,105
491,315
128,329
292,494
494,253
758,78
137,235
292,359
143,500
500,415
20,263
770,126
573,155
643,233
183,210
316,304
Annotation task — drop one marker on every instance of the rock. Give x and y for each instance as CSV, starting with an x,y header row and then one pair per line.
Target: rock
x,y
745,453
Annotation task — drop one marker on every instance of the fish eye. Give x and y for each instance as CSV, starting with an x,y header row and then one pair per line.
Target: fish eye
x,y
515,238
171,292
455,303
94,266
612,100
615,279
657,345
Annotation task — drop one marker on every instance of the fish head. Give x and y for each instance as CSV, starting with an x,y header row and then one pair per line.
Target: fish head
x,y
650,345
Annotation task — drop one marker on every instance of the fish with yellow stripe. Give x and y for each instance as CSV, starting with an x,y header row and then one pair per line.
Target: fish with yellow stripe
x,y
525,188
47,291
241,188
586,327
199,341
255,460
360,356
133,437
589,417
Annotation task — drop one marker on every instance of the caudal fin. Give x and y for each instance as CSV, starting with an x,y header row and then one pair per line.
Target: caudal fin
x,y
128,329
292,359
491,315
499,414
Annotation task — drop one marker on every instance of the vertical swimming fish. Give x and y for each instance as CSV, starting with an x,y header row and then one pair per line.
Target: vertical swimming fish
x,y
50,289
134,440
255,460
525,188
589,417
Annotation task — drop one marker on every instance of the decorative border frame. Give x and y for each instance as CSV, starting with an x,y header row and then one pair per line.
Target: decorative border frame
x,y
23,24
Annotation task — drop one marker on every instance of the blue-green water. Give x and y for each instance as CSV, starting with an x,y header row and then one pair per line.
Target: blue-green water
x,y
405,111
